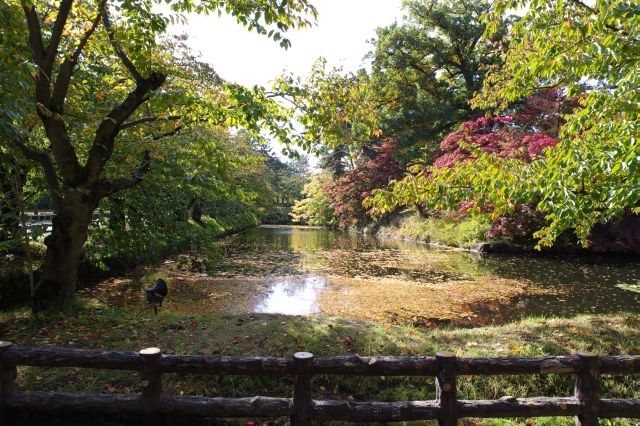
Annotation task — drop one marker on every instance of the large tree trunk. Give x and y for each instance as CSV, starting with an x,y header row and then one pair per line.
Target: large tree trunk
x,y
64,249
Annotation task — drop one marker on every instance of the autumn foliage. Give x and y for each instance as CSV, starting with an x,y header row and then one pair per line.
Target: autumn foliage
x,y
347,193
524,135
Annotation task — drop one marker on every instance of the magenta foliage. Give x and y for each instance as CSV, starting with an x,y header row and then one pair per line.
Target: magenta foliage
x,y
348,192
520,224
496,135
523,134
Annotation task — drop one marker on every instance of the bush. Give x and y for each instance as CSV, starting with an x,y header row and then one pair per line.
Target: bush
x,y
443,230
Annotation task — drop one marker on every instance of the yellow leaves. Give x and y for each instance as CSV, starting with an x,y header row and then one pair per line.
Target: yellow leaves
x,y
517,349
50,18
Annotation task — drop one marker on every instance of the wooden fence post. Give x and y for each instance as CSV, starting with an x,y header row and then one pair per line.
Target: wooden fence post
x,y
151,383
587,389
446,392
302,362
8,374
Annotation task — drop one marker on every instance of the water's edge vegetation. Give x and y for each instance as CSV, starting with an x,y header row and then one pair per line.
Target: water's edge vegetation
x,y
199,239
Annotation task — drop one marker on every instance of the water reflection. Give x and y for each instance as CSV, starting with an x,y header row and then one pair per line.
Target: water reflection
x,y
292,296
513,286
301,271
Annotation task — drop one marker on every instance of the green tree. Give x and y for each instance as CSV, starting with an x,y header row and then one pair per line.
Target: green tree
x,y
592,51
286,180
592,175
315,209
92,72
427,68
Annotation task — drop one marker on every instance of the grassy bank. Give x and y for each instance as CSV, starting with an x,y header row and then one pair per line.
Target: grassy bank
x,y
443,230
89,324
108,252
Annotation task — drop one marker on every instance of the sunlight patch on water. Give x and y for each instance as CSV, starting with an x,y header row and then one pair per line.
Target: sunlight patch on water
x,y
293,296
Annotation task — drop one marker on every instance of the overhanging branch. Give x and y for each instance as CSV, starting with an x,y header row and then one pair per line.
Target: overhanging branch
x,y
116,45
148,120
103,143
108,187
66,69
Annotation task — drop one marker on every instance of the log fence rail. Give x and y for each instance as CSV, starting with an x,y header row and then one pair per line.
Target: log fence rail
x,y
586,404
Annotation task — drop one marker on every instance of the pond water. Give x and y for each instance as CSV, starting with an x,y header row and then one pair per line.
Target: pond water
x,y
312,271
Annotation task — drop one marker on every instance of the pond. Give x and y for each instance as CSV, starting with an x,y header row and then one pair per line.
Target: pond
x,y
313,271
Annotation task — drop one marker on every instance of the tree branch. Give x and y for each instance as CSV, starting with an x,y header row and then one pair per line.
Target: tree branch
x,y
42,157
595,12
56,36
63,151
104,140
43,81
123,57
148,120
35,33
108,187
66,69
167,134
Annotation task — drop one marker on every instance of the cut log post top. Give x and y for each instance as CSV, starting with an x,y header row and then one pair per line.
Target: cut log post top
x,y
150,354
302,401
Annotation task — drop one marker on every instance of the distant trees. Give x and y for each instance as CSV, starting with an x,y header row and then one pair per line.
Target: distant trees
x,y
284,182
347,192
370,125
427,68
315,208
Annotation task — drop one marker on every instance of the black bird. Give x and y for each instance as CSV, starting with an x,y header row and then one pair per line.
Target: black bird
x,y
156,294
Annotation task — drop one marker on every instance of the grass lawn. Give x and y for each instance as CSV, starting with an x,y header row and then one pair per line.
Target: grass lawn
x,y
89,324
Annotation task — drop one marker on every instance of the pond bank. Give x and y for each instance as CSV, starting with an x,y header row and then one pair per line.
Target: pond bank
x,y
300,271
14,278
469,235
90,324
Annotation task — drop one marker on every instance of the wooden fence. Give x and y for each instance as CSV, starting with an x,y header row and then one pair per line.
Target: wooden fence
x,y
586,404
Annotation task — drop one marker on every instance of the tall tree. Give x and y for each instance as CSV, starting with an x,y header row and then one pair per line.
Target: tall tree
x,y
591,50
92,73
427,68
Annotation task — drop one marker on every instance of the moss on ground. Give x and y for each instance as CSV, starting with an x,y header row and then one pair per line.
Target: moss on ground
x,y
88,324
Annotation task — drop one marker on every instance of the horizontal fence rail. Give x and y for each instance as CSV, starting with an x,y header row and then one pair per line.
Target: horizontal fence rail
x,y
586,404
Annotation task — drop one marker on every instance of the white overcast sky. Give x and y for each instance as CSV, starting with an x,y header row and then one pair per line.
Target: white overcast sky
x,y
340,35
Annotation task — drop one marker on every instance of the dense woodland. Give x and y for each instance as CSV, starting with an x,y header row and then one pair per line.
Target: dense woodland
x,y
518,126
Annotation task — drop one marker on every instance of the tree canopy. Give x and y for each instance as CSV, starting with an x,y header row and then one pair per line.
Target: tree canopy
x,y
110,94
492,113
591,175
